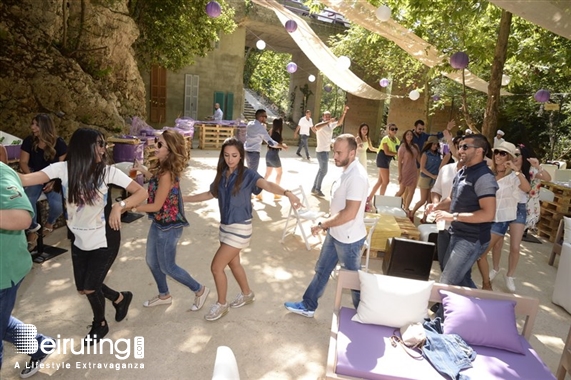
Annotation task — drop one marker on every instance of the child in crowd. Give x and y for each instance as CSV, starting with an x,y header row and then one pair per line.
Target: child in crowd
x,y
234,185
166,210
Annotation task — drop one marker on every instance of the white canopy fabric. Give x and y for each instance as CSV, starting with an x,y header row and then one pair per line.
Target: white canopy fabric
x,y
321,56
553,15
362,13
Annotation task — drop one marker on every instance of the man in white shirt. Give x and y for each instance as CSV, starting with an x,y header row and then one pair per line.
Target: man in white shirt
x,y
499,138
324,133
218,114
303,127
345,228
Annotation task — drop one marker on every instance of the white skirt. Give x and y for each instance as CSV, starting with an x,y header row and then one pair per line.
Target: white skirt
x,y
236,235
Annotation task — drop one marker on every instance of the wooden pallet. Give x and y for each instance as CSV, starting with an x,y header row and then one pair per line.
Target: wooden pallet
x,y
213,136
556,206
558,190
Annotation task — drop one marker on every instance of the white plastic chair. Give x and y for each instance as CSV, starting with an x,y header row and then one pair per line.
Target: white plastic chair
x,y
546,195
562,175
389,206
225,365
302,215
371,223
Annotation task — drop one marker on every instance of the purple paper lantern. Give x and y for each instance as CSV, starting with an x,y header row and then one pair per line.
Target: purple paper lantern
x,y
291,67
384,82
459,60
291,26
328,88
213,9
542,96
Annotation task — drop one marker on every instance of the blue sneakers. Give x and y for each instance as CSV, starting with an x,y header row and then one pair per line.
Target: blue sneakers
x,y
299,308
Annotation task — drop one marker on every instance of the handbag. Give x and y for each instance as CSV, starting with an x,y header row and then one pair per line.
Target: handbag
x,y
411,337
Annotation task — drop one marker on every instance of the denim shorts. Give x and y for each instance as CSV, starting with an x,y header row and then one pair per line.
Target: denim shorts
x,y
521,216
500,228
383,161
273,158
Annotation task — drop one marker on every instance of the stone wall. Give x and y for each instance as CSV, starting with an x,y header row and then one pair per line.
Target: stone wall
x,y
68,58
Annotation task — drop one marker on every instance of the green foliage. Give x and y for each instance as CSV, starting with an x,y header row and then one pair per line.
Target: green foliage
x,y
536,59
264,72
173,32
333,101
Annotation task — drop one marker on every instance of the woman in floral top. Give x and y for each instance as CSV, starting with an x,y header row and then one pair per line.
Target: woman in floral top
x,y
536,175
166,209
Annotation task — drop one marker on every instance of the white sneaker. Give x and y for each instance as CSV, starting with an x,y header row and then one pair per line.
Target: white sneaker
x,y
510,283
200,300
242,299
156,301
493,274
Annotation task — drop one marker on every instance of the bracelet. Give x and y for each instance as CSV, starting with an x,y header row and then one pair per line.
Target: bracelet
x,y
286,191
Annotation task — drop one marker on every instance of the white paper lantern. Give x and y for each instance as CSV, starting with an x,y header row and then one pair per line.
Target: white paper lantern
x,y
383,13
311,78
414,95
261,44
506,79
343,62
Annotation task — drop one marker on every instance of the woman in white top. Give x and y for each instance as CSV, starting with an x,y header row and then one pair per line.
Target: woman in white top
x,y
364,143
510,209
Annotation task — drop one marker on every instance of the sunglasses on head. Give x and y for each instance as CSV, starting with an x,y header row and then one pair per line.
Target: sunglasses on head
x,y
394,129
500,152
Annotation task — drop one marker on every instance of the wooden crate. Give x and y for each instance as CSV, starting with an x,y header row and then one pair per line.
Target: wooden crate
x,y
213,136
556,207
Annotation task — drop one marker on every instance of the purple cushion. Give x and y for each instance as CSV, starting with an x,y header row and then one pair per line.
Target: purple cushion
x,y
482,322
364,351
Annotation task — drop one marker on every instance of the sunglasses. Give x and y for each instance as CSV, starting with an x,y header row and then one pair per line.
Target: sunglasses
x,y
466,146
394,129
517,154
500,152
101,143
159,144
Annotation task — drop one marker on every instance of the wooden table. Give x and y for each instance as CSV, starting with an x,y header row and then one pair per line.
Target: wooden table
x,y
388,227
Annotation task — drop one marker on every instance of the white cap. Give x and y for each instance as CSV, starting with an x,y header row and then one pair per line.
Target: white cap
x,y
500,132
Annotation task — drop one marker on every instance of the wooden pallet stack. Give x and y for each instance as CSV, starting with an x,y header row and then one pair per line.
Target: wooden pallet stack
x,y
553,212
213,136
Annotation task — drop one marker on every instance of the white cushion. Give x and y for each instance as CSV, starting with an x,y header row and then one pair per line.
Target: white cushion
x,y
392,301
567,231
389,210
427,229
561,295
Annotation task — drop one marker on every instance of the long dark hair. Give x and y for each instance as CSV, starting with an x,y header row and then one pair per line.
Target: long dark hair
x,y
47,135
410,146
525,165
277,126
85,174
361,134
222,166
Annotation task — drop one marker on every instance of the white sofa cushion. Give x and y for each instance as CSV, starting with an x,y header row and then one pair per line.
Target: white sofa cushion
x,y
392,301
394,211
561,295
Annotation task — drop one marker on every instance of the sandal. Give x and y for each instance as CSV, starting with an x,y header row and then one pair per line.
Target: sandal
x,y
47,230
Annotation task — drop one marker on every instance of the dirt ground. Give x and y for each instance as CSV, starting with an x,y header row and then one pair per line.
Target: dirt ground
x,y
268,341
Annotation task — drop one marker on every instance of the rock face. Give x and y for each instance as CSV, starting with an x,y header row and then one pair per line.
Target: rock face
x,y
72,59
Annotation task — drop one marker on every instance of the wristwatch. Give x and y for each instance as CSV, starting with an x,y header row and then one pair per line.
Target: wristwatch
x,y
122,204
455,217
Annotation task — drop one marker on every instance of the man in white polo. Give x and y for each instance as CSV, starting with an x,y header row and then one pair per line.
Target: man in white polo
x,y
303,127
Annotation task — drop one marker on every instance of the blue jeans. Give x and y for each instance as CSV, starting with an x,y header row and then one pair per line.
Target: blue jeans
x,y
161,255
323,160
8,323
54,200
253,160
332,252
303,144
459,259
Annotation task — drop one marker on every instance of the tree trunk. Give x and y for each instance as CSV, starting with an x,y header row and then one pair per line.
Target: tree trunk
x,y
490,124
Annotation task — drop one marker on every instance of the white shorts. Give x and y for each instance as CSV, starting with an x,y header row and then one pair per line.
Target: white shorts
x,y
236,235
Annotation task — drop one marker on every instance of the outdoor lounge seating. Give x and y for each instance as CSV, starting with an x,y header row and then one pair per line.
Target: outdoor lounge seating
x,y
358,350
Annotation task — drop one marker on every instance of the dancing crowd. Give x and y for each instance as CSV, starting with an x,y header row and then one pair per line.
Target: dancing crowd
x,y
480,191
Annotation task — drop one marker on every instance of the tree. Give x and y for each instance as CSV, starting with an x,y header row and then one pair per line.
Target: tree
x,y
173,32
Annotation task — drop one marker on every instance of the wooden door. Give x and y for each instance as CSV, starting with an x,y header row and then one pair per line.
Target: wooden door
x,y
158,94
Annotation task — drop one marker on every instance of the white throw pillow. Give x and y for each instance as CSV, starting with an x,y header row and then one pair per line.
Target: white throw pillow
x,y
567,231
392,301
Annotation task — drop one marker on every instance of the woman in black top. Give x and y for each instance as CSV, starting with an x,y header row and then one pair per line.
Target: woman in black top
x,y
273,155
